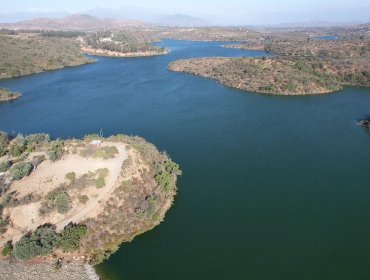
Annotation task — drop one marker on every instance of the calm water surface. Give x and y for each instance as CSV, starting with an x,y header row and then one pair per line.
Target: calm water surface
x,y
273,187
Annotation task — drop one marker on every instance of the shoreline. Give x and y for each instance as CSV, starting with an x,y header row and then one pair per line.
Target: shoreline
x,y
47,271
106,53
91,61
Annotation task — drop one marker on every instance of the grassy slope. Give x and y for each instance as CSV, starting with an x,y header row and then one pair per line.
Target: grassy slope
x,y
30,55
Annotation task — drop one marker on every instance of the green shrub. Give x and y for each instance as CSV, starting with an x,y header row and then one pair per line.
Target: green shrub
x,y
100,182
164,179
102,172
46,208
62,203
56,150
71,176
105,152
4,166
38,138
7,250
91,137
4,142
83,199
21,170
39,243
37,160
17,146
3,225
166,173
71,236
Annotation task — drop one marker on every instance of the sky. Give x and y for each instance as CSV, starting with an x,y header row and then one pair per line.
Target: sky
x,y
224,10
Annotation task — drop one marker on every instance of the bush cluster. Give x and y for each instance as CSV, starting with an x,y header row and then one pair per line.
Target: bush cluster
x,y
71,237
4,142
7,250
44,240
21,170
62,203
56,150
4,166
38,243
17,146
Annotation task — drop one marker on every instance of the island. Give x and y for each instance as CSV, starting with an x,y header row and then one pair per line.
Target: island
x,y
6,95
69,204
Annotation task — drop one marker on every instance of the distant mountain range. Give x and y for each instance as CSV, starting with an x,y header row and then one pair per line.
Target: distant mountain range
x,y
135,15
142,14
127,13
15,17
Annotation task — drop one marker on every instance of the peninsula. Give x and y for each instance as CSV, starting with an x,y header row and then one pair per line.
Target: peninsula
x,y
78,200
119,44
296,65
6,95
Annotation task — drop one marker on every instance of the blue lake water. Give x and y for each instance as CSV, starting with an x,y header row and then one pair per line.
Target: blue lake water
x,y
326,38
272,188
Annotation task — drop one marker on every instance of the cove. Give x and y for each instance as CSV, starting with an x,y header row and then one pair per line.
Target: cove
x,y
272,188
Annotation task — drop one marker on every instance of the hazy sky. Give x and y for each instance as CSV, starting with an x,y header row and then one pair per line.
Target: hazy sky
x,y
224,10
172,6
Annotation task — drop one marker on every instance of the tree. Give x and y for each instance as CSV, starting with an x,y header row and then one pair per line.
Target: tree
x,y
21,170
18,146
39,243
56,150
62,203
4,142
71,237
7,250
4,166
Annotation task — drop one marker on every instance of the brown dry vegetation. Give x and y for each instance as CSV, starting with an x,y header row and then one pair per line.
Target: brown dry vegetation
x,y
139,202
265,75
302,65
320,48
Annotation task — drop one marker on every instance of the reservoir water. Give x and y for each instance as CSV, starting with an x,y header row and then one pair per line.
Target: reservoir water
x,y
272,188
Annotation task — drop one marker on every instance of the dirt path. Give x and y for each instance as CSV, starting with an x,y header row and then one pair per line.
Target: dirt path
x,y
104,192
47,176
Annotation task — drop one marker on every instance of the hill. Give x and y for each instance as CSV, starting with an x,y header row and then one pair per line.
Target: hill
x,y
26,54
